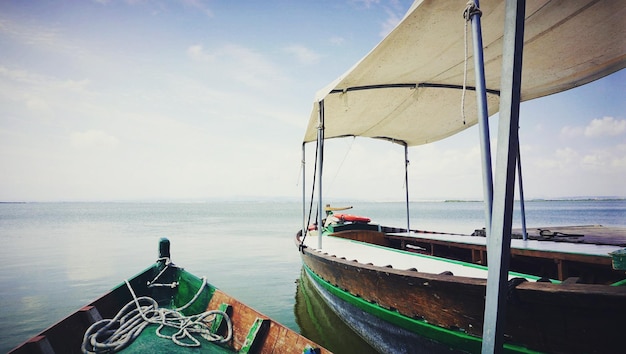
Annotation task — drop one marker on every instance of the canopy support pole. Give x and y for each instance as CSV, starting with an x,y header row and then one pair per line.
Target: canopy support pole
x,y
499,241
406,187
521,192
304,226
481,104
320,161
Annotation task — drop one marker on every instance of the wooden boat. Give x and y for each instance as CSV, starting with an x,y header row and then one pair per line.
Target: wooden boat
x,y
407,292
401,298
165,309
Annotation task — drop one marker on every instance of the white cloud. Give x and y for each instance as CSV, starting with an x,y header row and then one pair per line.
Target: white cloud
x,y
394,9
303,54
240,63
198,5
336,40
566,154
393,18
197,53
596,159
21,76
93,139
352,166
572,132
607,126
366,3
30,78
574,171
619,160
599,127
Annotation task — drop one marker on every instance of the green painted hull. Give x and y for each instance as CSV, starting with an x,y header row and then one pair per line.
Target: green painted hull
x,y
441,339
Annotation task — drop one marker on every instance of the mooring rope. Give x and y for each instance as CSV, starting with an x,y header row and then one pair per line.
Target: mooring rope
x,y
470,10
308,221
111,335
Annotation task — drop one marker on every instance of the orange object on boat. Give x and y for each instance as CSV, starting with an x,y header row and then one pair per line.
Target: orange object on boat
x,y
352,218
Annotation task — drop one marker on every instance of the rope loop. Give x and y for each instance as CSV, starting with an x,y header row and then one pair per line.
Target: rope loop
x,y
112,335
471,9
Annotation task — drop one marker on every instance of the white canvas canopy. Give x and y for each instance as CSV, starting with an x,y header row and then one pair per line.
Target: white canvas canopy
x,y
408,88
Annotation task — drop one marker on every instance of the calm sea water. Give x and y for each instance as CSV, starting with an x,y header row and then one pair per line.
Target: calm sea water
x,y
59,256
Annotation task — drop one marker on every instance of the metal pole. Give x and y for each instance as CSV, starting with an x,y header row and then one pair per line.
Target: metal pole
x,y
499,242
304,226
320,161
406,184
521,192
483,123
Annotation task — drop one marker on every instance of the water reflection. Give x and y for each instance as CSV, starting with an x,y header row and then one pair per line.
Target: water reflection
x,y
319,323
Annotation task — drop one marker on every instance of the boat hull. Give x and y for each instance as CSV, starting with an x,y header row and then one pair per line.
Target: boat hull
x,y
544,317
318,322
383,337
173,289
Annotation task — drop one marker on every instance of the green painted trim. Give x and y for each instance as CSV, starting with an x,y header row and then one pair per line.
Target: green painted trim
x,y
217,323
309,308
455,339
188,285
256,327
452,261
620,283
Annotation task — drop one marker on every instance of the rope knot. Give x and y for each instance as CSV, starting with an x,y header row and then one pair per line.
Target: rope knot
x,y
471,9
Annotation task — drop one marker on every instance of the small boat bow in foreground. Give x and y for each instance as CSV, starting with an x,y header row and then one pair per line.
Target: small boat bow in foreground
x,y
165,309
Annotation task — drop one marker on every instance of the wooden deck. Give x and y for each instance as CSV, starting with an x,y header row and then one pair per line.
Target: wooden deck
x,y
557,252
586,234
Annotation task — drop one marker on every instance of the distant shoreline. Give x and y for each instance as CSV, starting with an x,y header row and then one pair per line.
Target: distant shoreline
x,y
335,200
571,199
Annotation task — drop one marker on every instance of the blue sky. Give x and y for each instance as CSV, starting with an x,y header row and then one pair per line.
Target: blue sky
x,y
191,99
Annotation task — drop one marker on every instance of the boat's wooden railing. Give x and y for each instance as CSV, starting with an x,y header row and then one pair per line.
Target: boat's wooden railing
x,y
556,265
367,236
256,333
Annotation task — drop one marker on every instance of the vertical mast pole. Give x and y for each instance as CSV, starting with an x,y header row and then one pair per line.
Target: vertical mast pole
x,y
320,161
406,187
304,226
499,241
474,13
521,192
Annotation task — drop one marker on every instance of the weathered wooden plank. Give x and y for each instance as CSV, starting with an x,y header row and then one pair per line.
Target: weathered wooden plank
x,y
588,234
277,338
255,337
542,258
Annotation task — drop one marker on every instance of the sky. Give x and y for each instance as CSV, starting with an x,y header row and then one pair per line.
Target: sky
x,y
123,100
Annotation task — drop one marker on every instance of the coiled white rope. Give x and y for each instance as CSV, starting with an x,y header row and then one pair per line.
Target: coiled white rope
x,y
111,335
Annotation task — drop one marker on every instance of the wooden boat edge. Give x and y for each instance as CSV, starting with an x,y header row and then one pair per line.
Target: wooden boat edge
x,y
332,271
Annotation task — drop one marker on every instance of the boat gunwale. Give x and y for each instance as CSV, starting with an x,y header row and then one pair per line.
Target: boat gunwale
x,y
432,276
607,289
